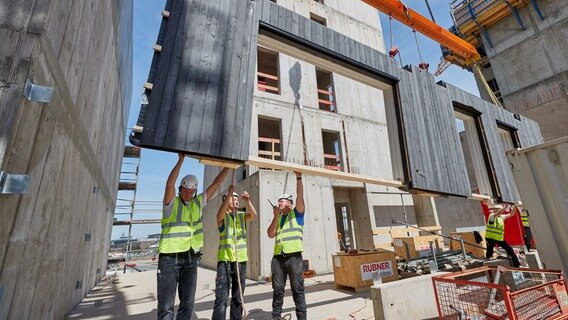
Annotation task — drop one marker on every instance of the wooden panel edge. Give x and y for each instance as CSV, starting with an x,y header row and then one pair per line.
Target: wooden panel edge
x,y
274,164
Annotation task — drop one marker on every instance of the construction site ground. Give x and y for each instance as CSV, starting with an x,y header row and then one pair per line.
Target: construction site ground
x,y
132,295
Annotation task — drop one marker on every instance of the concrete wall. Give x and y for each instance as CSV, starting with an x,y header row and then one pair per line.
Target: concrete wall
x,y
531,65
54,240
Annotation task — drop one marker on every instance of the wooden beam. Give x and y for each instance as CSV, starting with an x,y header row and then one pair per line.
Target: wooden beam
x,y
148,86
480,197
274,164
157,48
165,14
218,162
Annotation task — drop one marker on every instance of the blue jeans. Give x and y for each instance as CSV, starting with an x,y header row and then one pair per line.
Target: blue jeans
x,y
227,279
288,265
177,271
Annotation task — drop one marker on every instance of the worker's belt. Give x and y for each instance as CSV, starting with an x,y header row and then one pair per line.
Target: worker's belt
x,y
177,254
286,255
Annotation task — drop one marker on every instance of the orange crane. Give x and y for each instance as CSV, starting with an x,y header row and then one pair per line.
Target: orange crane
x,y
460,48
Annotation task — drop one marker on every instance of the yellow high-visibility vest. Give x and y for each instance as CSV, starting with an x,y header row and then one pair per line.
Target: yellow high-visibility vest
x,y
525,218
235,232
290,237
495,230
183,229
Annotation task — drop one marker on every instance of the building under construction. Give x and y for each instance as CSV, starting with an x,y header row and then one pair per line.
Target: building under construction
x,y
264,87
524,48
316,93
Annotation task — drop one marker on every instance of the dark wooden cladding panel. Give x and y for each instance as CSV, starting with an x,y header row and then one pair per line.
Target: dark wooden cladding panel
x,y
161,70
237,95
243,121
527,130
174,81
228,93
211,109
198,103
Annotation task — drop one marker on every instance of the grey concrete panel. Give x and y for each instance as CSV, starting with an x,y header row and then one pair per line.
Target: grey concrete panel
x,y
70,147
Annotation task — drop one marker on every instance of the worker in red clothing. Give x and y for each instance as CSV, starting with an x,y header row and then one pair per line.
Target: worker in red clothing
x,y
495,231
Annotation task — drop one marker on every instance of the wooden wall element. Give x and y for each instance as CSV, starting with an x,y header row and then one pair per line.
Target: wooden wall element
x,y
202,79
194,95
430,148
527,130
54,240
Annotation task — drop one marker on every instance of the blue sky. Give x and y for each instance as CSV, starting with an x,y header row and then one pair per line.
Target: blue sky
x,y
156,165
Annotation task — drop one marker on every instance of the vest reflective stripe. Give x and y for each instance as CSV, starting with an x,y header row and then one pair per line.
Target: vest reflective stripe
x,y
235,230
230,246
290,237
183,229
525,219
495,230
176,235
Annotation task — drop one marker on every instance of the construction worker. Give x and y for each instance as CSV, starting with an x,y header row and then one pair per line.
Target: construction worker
x,y
287,227
495,232
232,254
180,242
527,234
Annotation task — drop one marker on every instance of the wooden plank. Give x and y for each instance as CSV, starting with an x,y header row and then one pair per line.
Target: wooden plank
x,y
211,140
226,118
266,75
274,164
158,74
243,119
157,48
176,42
218,162
165,14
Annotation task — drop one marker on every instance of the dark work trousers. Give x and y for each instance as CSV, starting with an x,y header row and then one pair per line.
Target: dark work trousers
x,y
527,234
177,271
227,279
288,265
503,244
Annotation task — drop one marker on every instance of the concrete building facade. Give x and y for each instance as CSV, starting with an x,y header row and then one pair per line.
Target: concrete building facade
x,y
54,237
527,63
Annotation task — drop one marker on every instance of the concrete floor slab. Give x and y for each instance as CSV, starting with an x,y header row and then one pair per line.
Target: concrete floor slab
x,y
133,296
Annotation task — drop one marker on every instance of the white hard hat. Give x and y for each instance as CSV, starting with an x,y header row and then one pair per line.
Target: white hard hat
x,y
234,195
285,196
190,182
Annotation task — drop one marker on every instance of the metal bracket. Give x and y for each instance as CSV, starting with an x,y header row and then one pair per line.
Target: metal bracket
x,y
34,92
14,183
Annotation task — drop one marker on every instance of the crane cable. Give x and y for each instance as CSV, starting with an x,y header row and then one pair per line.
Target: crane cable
x,y
430,10
422,65
391,42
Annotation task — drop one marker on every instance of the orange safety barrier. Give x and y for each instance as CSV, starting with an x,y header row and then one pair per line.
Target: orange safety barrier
x,y
500,293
